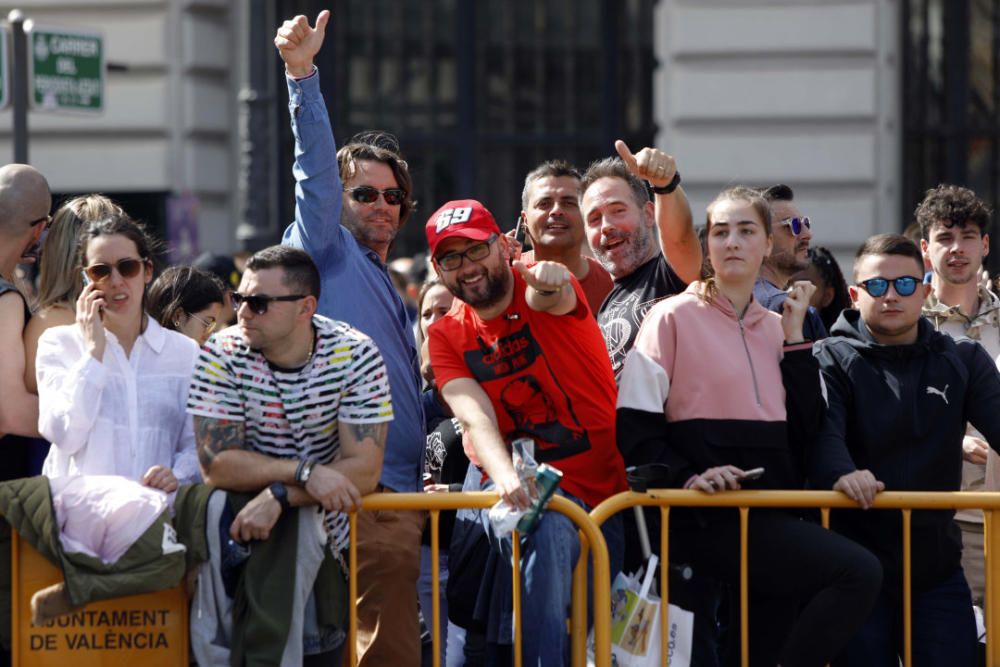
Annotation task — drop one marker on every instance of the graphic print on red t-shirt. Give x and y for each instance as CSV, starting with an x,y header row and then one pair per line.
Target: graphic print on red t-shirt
x,y
517,373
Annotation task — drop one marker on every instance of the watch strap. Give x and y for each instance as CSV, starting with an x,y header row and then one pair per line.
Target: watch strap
x,y
669,187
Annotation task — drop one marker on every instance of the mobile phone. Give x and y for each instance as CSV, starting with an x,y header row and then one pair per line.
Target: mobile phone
x,y
519,230
86,278
754,473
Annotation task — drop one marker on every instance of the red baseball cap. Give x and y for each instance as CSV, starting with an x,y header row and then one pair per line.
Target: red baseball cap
x,y
462,218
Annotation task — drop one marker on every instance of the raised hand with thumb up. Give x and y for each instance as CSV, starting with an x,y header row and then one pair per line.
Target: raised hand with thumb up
x,y
651,164
298,43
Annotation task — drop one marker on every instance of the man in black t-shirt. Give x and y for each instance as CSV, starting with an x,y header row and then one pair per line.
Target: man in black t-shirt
x,y
24,213
626,230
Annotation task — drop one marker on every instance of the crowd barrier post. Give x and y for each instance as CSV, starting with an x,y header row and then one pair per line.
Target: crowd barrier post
x,y
435,502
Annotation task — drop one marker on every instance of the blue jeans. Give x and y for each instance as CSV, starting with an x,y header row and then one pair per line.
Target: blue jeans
x,y
548,557
944,629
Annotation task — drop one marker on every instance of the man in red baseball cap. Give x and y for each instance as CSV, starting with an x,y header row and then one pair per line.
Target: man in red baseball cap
x,y
518,328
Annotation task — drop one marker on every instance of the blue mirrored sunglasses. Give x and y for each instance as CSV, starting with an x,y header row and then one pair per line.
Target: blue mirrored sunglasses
x,y
796,224
904,285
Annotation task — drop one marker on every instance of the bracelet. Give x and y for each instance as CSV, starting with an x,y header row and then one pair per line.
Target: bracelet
x,y
669,187
298,470
304,471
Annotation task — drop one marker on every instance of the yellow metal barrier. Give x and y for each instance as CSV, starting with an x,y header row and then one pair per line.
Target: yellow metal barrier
x,y
149,629
590,535
745,500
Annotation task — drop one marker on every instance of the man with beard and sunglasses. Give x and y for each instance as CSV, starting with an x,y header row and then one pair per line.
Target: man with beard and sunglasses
x,y
25,202
899,397
349,206
519,356
792,232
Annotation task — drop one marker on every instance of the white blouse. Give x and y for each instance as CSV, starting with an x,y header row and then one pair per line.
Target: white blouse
x,y
119,416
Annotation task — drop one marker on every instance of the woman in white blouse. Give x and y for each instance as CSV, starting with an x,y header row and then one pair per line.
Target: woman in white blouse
x,y
112,387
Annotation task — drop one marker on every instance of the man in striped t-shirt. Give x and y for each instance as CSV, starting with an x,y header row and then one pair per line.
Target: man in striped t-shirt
x,y
294,407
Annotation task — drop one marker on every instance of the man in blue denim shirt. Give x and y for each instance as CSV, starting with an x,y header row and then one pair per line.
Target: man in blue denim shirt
x,y
347,227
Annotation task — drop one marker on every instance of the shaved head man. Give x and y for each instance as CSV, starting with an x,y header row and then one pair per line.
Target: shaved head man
x,y
24,214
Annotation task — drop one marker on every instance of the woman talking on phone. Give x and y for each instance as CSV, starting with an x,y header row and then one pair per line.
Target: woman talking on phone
x,y
716,387
112,387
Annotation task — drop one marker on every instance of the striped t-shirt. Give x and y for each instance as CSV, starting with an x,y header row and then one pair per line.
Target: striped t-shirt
x,y
294,413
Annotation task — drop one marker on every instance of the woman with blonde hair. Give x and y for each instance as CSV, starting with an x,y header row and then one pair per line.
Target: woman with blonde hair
x,y
59,278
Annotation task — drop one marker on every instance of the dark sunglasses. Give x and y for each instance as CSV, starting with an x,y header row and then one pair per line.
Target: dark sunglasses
x,y
366,194
904,285
474,253
258,303
127,268
796,224
47,220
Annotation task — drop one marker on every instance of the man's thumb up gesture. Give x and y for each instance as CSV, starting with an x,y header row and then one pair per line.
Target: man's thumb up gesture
x,y
298,44
651,164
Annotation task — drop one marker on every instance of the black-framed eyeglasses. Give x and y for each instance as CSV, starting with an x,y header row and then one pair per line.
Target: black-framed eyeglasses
x,y
904,285
127,268
46,220
796,224
474,253
366,194
258,303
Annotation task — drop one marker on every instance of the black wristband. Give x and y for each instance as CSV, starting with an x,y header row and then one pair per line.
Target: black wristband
x,y
280,493
298,470
669,187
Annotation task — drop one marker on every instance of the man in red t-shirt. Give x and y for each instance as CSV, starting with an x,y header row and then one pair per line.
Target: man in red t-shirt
x,y
517,356
550,213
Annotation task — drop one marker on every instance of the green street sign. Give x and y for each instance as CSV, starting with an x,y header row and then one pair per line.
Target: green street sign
x,y
67,69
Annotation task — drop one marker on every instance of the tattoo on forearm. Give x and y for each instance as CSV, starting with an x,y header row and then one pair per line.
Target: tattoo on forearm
x,y
216,435
377,432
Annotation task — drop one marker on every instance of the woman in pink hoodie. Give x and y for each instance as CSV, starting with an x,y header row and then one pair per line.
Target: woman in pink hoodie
x,y
717,385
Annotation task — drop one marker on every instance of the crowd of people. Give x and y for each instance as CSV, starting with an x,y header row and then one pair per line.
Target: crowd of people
x,y
624,336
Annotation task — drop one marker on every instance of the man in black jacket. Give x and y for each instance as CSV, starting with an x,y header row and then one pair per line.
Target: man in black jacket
x,y
900,394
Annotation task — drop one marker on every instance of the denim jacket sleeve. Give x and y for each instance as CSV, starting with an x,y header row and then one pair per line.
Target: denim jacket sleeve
x,y
318,187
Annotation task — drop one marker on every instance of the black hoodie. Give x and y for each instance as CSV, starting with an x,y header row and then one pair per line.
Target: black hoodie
x,y
900,411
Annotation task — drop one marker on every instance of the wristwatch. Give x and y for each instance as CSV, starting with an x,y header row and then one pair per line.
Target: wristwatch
x,y
280,493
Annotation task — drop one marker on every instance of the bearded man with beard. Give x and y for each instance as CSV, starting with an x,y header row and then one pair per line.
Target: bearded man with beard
x,y
519,356
24,214
626,229
792,232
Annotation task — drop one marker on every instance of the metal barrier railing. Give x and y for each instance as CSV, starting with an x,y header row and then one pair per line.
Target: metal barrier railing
x,y
591,540
906,501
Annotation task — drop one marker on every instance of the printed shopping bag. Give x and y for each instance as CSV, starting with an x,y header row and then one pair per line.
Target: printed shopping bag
x,y
635,624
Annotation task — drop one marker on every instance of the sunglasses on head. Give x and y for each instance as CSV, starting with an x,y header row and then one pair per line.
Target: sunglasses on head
x,y
127,268
366,194
473,253
904,285
796,224
258,303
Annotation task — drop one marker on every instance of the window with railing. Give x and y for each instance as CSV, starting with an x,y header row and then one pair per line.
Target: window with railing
x,y
481,91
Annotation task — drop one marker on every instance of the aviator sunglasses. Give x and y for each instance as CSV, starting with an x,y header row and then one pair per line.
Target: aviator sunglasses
x,y
366,194
258,303
127,268
904,285
796,224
